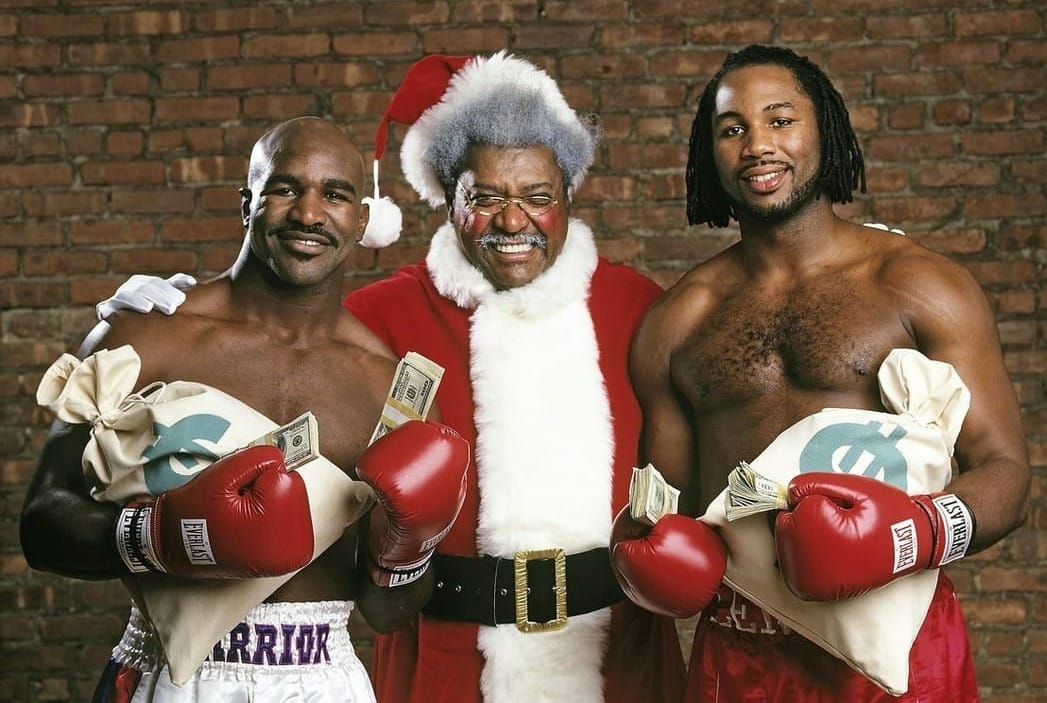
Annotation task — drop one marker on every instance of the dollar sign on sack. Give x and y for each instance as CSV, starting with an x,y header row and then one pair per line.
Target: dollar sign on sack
x,y
849,447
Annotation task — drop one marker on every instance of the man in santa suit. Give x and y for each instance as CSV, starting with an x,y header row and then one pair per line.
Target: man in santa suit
x,y
533,329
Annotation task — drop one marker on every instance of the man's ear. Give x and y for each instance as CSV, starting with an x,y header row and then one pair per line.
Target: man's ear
x,y
365,217
245,205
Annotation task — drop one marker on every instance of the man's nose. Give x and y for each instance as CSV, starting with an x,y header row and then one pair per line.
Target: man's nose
x,y
512,218
308,208
759,141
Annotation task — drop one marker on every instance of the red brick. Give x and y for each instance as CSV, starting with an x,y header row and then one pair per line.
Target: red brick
x,y
28,114
952,112
131,83
611,66
939,174
123,53
957,53
278,107
340,15
479,39
200,229
40,234
121,111
737,32
239,77
164,260
36,54
211,48
1001,142
33,175
128,172
56,203
238,19
908,148
204,169
61,25
148,22
339,74
285,45
635,36
110,232
1004,205
71,84
900,85
821,29
180,80
197,108
406,13
383,43
1005,22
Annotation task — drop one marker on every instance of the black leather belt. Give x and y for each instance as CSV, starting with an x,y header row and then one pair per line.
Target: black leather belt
x,y
552,586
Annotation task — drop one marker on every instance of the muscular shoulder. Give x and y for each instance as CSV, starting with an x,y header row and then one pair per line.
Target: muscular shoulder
x,y
926,285
161,340
690,301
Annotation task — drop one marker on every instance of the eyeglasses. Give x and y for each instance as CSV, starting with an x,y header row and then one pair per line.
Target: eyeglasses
x,y
490,205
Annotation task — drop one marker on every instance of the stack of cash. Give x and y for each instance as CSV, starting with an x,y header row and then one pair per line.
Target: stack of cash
x,y
650,496
411,394
411,397
750,492
299,440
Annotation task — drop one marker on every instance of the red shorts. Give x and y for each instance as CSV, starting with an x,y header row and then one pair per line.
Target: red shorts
x,y
743,655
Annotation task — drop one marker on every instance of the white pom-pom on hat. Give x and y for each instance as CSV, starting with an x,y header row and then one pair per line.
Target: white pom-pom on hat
x,y
385,221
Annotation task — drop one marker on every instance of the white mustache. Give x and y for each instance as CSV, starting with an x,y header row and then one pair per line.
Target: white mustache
x,y
489,239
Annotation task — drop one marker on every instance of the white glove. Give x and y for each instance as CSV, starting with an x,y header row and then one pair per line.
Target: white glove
x,y
142,293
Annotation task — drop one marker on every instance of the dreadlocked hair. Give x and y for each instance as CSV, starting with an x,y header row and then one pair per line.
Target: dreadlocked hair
x,y
842,167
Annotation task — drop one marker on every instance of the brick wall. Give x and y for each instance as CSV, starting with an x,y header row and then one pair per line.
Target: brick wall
x,y
126,126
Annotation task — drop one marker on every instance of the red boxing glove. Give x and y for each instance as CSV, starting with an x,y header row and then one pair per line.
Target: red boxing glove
x,y
244,516
846,534
418,473
673,568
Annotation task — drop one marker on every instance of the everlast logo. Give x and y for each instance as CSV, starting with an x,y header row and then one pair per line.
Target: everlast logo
x,y
958,522
283,645
196,543
904,535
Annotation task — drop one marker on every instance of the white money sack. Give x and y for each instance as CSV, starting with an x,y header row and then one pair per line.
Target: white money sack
x,y
911,447
197,424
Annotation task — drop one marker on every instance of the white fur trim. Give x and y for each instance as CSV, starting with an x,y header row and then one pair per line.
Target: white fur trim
x,y
476,79
544,452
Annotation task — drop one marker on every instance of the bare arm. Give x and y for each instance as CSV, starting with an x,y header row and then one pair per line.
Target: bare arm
x,y
387,609
951,321
667,440
62,529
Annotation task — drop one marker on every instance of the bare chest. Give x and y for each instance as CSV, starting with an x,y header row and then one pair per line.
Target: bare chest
x,y
760,350
283,383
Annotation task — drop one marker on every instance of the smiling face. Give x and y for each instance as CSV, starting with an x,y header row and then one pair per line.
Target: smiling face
x,y
510,247
302,205
766,143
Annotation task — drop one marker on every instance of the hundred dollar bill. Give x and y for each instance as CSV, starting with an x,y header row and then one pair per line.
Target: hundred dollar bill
x,y
411,394
651,496
750,492
299,440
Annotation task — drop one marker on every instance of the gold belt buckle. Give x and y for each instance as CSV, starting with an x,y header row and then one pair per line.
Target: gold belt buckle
x,y
520,579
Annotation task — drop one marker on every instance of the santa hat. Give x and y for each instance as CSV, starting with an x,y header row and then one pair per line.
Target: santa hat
x,y
422,86
453,101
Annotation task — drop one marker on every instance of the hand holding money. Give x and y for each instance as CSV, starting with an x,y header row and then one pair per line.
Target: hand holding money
x,y
673,568
749,492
